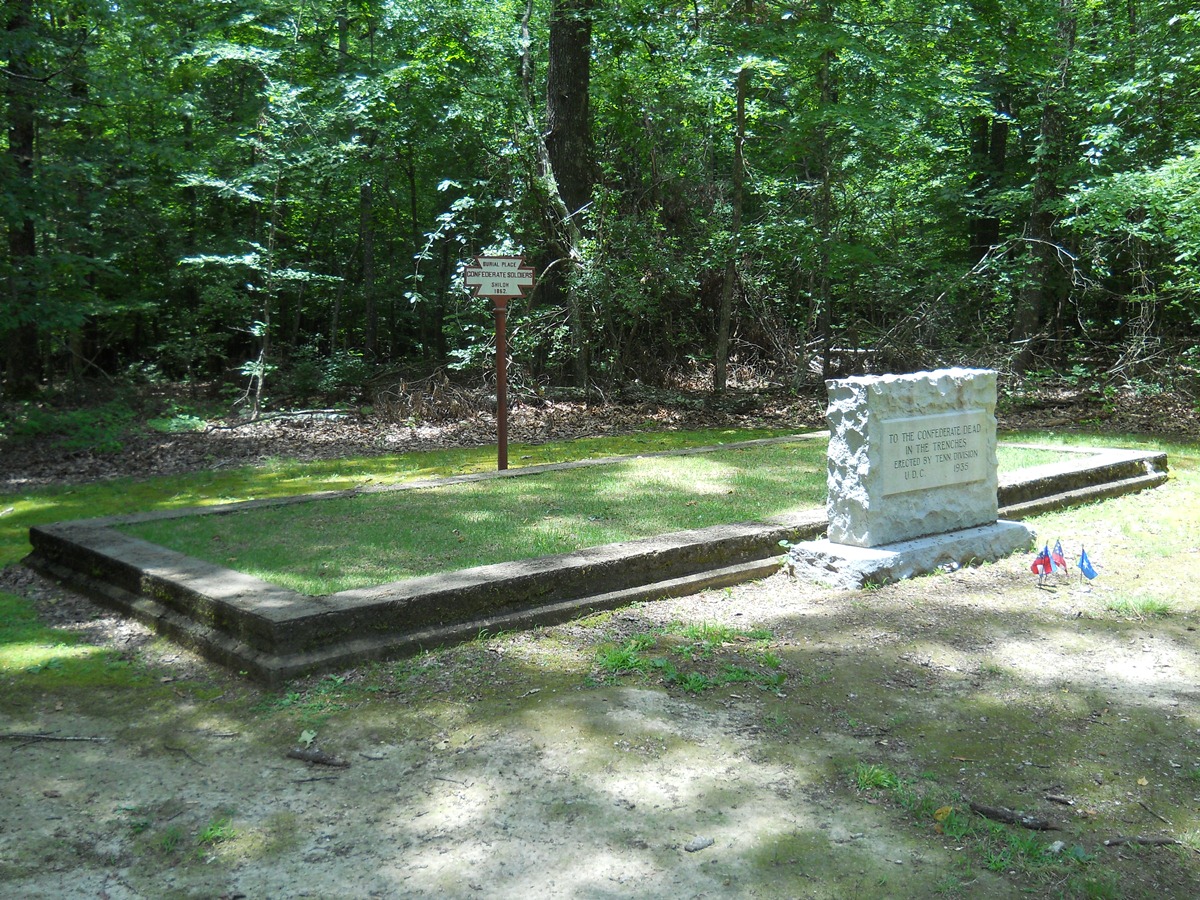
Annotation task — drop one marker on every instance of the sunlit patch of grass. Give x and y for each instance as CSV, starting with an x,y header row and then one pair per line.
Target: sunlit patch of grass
x,y
1010,459
1139,607
713,654
870,776
39,656
338,544
36,658
1175,450
29,647
709,633
1142,545
623,659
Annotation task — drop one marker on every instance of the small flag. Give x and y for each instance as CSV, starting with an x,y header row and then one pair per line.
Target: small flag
x,y
1042,565
1085,565
1057,561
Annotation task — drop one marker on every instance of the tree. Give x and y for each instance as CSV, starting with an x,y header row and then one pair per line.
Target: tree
x,y
721,355
20,272
568,150
1036,303
915,183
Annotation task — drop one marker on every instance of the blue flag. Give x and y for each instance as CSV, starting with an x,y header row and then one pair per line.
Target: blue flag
x,y
1085,565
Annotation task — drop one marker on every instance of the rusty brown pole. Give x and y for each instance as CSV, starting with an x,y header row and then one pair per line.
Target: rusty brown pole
x,y
501,384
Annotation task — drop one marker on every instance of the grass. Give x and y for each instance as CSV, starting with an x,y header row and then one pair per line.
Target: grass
x,y
345,543
1139,607
27,646
711,654
170,839
288,478
216,832
338,544
620,660
998,848
868,776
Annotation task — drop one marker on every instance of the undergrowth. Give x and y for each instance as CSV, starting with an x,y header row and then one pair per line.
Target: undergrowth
x,y
694,657
1067,869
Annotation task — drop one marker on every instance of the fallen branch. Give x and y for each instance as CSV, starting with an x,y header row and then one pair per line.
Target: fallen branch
x,y
1008,817
42,736
1141,841
292,414
184,752
320,757
1153,813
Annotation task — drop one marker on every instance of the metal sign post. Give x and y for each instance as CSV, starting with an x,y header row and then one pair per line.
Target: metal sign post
x,y
498,278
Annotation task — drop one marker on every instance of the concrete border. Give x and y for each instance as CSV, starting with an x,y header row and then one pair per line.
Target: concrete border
x,y
274,634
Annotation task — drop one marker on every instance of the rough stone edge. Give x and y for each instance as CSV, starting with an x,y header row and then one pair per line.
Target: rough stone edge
x,y
1079,497
1042,484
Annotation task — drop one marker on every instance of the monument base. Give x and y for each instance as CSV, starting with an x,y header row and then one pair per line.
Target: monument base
x,y
849,568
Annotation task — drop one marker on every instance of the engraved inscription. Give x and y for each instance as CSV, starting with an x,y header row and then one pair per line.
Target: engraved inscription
x,y
922,452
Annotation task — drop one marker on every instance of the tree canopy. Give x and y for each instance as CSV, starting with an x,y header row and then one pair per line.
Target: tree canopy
x,y
221,191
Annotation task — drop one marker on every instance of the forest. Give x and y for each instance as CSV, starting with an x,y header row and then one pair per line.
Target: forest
x,y
279,197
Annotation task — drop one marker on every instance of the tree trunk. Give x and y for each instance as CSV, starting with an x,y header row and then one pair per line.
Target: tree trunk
x,y
568,118
366,230
989,152
21,333
190,196
721,362
568,146
1035,303
828,98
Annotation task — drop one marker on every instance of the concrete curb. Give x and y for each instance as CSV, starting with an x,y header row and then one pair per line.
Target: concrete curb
x,y
274,634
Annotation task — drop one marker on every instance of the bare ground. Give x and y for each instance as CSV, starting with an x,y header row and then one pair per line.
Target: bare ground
x,y
517,765
323,435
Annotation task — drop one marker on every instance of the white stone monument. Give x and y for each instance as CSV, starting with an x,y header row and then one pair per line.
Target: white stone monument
x,y
912,479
